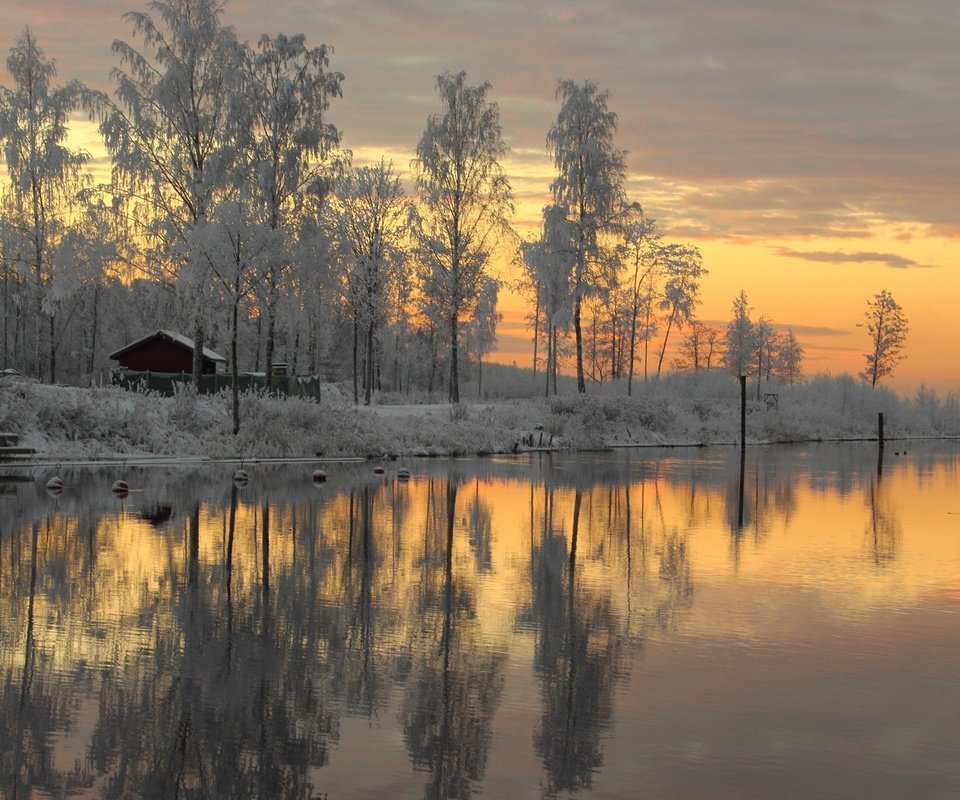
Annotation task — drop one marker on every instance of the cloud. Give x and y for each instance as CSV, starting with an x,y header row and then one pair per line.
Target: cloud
x,y
784,118
836,257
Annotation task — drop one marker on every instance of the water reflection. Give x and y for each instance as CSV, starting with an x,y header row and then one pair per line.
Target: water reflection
x,y
489,622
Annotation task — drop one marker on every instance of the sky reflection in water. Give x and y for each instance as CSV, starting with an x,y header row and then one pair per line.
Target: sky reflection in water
x,y
600,624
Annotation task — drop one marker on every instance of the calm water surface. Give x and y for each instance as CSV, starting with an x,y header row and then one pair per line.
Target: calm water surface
x,y
613,625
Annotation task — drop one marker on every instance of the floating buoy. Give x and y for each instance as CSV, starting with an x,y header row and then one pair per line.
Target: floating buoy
x,y
319,476
120,486
378,470
241,477
55,486
403,474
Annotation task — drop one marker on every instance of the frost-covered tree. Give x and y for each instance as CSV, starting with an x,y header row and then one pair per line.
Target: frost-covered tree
x,y
170,133
701,348
85,263
765,342
683,271
548,263
888,328
285,144
481,330
739,343
789,357
465,200
590,175
640,246
370,216
236,242
45,175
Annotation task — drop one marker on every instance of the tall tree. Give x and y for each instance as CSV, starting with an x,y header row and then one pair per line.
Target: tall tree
x,y
589,185
44,173
369,217
287,141
548,261
640,245
169,130
465,199
888,328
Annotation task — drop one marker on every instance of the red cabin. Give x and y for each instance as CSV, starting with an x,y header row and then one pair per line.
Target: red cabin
x,y
165,351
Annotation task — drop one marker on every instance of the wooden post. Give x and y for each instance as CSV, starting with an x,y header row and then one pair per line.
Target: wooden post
x,y
880,428
743,412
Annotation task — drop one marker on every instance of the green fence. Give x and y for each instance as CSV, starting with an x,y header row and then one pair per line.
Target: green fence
x,y
165,383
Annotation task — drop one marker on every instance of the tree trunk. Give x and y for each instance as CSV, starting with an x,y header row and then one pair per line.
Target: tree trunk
x,y
536,330
271,337
578,331
663,349
356,387
368,379
91,362
197,349
454,353
53,350
234,369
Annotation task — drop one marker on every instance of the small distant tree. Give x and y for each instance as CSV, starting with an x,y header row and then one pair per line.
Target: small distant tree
x,y
701,348
789,357
683,270
481,330
764,349
887,326
739,344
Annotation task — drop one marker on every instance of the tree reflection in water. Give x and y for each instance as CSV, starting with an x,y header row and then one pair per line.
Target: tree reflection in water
x,y
223,640
457,678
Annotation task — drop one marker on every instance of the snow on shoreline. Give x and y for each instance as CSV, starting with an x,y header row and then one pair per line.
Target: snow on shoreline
x,y
99,424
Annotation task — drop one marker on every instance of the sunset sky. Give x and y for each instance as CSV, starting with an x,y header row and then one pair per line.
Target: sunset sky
x,y
809,148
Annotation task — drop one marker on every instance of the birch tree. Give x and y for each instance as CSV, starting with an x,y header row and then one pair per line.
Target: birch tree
x,y
465,201
887,327
683,268
169,130
235,243
589,185
481,330
369,217
287,142
45,174
789,357
548,263
739,344
640,244
700,349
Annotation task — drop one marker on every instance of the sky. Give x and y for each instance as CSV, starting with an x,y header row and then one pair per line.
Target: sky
x,y
809,148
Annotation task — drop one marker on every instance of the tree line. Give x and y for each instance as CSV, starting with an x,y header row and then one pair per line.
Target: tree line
x,y
234,211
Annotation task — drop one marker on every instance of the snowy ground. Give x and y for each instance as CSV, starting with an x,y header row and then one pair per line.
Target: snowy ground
x,y
101,423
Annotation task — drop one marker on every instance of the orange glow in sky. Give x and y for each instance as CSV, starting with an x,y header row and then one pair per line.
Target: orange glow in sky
x,y
808,149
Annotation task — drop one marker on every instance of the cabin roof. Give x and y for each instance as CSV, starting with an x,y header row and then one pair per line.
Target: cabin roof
x,y
170,336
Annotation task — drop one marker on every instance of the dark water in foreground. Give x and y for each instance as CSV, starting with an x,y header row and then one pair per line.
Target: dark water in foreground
x,y
599,625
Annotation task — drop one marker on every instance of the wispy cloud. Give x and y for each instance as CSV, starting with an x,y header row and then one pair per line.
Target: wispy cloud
x,y
838,257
